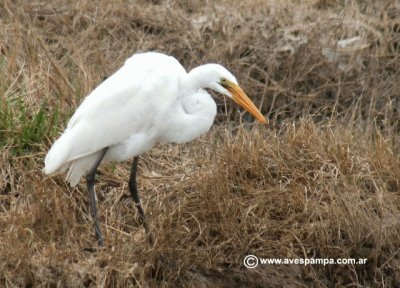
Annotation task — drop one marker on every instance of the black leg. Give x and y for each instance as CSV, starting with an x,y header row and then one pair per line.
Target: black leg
x,y
90,179
135,195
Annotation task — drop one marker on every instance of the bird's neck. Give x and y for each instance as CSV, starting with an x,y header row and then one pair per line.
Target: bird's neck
x,y
198,78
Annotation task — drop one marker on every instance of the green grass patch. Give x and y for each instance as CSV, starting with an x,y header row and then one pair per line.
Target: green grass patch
x,y
24,129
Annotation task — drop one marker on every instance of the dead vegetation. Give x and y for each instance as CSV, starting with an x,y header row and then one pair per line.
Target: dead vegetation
x,y
321,181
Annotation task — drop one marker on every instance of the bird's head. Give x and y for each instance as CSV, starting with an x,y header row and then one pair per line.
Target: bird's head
x,y
222,81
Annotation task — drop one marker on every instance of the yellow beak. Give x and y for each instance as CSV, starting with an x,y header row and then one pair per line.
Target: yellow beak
x,y
243,100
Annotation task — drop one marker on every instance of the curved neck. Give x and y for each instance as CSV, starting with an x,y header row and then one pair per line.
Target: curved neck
x,y
198,78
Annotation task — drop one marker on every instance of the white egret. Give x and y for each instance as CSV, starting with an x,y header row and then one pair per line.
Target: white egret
x,y
150,99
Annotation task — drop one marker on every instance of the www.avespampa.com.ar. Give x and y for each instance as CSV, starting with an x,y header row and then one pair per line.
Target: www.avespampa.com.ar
x,y
252,261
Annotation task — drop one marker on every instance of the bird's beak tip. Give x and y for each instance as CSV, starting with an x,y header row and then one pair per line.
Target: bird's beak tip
x,y
243,100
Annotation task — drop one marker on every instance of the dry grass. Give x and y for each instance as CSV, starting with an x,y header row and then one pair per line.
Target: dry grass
x,y
322,180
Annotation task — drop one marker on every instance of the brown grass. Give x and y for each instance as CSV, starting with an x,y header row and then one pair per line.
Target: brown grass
x,y
321,181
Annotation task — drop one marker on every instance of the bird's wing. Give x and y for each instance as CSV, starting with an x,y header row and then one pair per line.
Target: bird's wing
x,y
130,101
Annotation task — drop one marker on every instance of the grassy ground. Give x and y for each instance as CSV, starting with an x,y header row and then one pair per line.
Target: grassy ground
x,y
322,180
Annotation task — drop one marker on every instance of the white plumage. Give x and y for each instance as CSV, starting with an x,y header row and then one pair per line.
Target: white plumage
x,y
150,99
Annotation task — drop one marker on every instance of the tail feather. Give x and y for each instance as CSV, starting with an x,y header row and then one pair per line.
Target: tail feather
x,y
80,167
67,153
58,154
59,159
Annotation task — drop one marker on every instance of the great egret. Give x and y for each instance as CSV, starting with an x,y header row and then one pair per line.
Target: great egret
x,y
150,99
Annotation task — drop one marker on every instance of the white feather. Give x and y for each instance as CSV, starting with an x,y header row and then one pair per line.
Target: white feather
x,y
117,110
149,99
